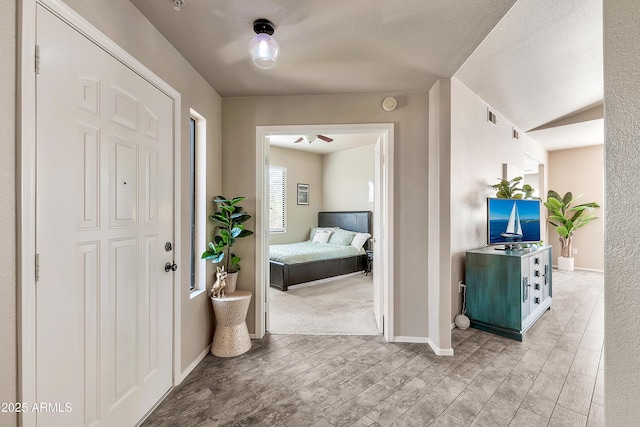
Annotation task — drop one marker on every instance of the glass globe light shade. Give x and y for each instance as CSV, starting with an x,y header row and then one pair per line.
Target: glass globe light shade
x,y
264,51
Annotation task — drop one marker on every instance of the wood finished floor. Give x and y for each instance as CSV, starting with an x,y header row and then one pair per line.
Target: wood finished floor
x,y
553,378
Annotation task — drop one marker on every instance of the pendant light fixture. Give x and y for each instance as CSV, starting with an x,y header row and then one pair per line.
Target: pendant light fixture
x,y
263,48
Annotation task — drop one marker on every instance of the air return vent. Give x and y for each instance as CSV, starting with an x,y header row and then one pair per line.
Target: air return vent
x,y
491,117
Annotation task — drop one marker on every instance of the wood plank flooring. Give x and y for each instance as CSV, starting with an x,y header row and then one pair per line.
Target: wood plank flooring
x,y
553,378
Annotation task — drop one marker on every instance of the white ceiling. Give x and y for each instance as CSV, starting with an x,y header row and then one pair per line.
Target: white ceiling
x,y
543,61
539,61
341,141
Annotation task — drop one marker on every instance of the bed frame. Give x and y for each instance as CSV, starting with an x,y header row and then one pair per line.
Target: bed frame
x,y
285,275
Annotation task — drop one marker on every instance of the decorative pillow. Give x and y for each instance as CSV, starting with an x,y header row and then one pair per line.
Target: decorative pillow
x,y
314,229
341,237
359,239
322,235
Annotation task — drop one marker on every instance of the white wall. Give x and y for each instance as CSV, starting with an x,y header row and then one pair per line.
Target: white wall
x,y
581,171
8,349
305,168
125,25
345,179
478,150
622,251
242,114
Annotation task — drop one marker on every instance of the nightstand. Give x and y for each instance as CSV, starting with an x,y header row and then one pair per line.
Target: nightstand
x,y
369,261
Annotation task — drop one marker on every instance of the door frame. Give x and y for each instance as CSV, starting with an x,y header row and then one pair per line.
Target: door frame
x,y
26,189
386,130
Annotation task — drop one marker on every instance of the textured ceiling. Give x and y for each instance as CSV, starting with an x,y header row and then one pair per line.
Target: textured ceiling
x,y
341,142
543,61
534,61
328,46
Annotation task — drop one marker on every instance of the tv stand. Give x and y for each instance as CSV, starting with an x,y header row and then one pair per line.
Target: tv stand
x,y
508,290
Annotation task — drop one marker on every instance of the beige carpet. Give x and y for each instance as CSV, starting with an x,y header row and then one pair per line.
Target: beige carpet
x,y
342,307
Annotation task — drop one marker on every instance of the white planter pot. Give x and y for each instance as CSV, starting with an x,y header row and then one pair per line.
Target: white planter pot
x,y
232,278
565,264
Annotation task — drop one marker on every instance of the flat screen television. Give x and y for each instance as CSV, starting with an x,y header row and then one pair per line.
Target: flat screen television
x,y
511,222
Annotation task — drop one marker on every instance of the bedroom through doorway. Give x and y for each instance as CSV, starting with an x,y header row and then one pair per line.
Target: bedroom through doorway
x,y
324,187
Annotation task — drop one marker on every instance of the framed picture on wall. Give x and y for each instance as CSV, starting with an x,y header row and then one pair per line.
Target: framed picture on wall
x,y
303,194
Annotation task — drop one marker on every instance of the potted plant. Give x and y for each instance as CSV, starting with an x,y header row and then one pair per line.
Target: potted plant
x,y
510,190
567,219
229,220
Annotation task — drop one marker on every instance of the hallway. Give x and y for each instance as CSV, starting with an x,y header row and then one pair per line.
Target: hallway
x,y
554,377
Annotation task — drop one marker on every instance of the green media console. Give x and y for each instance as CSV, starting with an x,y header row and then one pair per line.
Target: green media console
x,y
508,290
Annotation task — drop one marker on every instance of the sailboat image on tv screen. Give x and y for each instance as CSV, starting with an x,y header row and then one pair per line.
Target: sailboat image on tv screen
x,y
514,228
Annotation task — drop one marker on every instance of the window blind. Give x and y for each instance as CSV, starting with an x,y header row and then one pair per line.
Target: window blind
x,y
277,199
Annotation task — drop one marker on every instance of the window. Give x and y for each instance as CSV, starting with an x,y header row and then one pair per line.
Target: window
x,y
193,209
197,202
277,199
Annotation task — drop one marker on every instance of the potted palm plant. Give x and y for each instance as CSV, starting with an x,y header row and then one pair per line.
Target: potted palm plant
x,y
229,219
567,219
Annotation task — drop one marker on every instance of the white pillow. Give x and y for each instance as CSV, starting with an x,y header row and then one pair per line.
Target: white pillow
x,y
314,229
359,240
322,236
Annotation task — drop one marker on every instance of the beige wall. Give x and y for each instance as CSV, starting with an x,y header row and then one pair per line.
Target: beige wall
x,y
439,208
581,171
8,344
478,150
125,25
305,168
622,251
345,179
242,114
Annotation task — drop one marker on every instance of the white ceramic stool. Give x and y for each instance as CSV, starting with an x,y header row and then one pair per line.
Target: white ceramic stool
x,y
231,337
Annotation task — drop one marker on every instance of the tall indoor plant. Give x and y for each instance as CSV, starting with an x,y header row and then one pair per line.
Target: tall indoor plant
x,y
229,219
567,219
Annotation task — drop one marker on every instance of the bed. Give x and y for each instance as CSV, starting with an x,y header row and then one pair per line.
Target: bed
x,y
307,268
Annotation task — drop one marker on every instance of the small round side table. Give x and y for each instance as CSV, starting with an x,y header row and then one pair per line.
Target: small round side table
x,y
231,337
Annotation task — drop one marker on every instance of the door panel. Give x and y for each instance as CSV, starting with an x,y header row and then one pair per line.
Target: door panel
x,y
104,211
378,240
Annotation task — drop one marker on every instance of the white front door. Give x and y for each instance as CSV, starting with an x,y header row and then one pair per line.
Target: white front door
x,y
104,206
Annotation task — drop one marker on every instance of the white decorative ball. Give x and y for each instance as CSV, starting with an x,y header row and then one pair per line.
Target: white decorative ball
x,y
462,321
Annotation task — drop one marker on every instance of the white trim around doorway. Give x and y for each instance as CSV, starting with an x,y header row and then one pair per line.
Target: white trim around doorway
x,y
386,130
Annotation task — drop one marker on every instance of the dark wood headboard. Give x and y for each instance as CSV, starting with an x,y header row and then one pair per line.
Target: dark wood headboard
x,y
359,221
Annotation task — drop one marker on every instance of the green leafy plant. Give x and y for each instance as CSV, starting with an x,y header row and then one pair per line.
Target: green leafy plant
x,y
229,219
510,190
566,218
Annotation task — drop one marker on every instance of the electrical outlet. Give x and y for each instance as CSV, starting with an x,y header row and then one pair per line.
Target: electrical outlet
x,y
460,285
575,251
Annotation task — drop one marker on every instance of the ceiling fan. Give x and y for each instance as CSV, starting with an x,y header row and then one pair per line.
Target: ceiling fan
x,y
311,138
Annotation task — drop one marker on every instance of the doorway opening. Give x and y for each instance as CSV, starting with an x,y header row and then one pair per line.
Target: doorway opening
x,y
303,200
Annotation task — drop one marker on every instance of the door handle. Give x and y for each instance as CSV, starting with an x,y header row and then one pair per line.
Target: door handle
x,y
170,267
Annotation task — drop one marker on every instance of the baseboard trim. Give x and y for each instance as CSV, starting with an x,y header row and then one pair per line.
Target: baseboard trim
x,y
440,351
193,364
595,270
416,340
424,340
453,326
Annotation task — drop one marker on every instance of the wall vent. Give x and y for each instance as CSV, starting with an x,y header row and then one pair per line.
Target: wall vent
x,y
491,117
515,134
